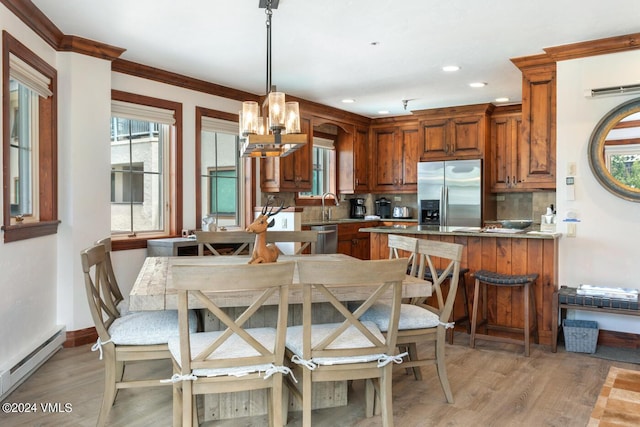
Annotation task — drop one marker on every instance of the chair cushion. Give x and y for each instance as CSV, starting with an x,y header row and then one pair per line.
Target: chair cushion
x,y
123,307
411,317
233,348
504,279
147,327
350,338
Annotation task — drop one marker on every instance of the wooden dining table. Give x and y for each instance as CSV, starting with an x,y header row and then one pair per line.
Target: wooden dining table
x,y
152,289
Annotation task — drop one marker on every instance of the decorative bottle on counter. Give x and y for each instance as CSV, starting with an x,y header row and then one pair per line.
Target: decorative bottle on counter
x,y
548,221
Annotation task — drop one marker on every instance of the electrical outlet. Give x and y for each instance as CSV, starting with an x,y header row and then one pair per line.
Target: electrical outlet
x,y
284,223
397,198
571,168
571,229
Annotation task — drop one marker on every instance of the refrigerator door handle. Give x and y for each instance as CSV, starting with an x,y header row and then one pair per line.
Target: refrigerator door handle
x,y
446,206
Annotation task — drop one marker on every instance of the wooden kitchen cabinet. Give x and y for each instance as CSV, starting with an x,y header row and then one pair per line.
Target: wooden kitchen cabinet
x,y
290,173
395,158
454,133
538,146
506,130
352,242
353,161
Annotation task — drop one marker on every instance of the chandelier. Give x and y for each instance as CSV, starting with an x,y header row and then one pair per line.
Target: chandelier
x,y
276,134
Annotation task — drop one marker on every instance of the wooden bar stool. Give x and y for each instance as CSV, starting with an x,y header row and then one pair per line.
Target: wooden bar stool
x,y
489,278
462,284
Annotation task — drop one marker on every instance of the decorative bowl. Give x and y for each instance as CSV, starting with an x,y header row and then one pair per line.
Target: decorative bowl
x,y
519,224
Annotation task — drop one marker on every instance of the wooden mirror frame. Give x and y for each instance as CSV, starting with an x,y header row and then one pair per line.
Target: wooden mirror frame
x,y
596,151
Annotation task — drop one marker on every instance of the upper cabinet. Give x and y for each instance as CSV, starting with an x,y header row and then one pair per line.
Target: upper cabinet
x,y
290,173
454,133
353,160
506,131
537,149
395,158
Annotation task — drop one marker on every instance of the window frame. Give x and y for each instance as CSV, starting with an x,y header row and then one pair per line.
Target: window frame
x,y
242,197
47,168
303,200
174,192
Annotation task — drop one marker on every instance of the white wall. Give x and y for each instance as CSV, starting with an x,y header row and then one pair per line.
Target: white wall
x,y
27,268
604,251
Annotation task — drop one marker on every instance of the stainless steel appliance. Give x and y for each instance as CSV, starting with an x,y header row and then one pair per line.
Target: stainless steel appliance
x,y
402,212
450,193
383,207
327,238
358,209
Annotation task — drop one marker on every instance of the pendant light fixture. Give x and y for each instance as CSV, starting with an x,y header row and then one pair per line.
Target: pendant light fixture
x,y
277,132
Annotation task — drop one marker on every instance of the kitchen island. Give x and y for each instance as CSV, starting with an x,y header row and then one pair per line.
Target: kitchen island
x,y
500,251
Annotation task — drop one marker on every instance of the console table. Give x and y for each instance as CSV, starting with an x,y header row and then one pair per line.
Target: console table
x,y
565,298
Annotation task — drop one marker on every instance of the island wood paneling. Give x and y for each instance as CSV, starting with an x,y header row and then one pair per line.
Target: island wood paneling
x,y
509,255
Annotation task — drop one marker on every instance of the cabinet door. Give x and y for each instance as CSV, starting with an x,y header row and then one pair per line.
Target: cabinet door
x,y
290,173
385,157
353,161
361,160
360,248
538,146
407,167
436,135
296,168
468,135
505,139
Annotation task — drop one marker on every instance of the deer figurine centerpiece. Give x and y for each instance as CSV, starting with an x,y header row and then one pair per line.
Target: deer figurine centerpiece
x,y
263,252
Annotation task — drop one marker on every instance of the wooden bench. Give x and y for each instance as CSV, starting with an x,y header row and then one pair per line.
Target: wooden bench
x,y
565,298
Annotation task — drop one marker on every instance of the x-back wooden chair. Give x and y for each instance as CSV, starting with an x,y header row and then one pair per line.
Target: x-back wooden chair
x,y
134,337
351,349
208,239
237,358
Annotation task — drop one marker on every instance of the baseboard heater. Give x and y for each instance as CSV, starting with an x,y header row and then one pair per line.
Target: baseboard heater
x,y
11,378
613,90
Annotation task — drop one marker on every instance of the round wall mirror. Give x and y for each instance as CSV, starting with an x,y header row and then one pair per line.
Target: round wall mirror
x,y
614,151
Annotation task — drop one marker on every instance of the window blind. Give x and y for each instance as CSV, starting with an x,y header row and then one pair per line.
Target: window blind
x,y
130,111
210,124
29,77
323,143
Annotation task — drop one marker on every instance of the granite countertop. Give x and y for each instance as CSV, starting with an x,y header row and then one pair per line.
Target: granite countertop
x,y
459,231
355,220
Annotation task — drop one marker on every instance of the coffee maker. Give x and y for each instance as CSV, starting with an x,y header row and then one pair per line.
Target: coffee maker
x,y
358,209
383,207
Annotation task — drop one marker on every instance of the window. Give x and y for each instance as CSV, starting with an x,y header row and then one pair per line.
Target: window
x,y
145,201
323,177
30,145
220,176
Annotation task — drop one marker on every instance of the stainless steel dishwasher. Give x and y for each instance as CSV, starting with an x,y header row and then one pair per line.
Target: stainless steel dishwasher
x,y
327,238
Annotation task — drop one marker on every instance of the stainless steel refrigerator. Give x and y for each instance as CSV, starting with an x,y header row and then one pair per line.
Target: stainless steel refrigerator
x,y
450,193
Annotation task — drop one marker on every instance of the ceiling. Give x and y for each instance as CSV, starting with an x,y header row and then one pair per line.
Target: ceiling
x,y
377,52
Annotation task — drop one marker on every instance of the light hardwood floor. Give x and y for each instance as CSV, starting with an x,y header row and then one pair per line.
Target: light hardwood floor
x,y
493,385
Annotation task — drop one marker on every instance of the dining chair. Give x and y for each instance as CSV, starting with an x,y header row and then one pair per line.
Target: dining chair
x,y
136,336
307,239
240,357
240,242
116,299
352,349
405,247
420,322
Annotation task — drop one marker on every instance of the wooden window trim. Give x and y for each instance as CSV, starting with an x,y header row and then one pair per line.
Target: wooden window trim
x,y
48,148
175,191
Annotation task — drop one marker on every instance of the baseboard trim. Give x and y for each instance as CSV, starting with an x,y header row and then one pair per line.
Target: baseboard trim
x,y
80,337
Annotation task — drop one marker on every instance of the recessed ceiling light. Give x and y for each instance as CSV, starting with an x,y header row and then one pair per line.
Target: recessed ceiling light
x,y
450,68
348,100
505,99
383,112
477,84
374,43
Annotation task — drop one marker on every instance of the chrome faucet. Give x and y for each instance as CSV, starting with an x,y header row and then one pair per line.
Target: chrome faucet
x,y
324,196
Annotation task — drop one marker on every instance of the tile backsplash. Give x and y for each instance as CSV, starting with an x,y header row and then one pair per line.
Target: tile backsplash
x,y
524,205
